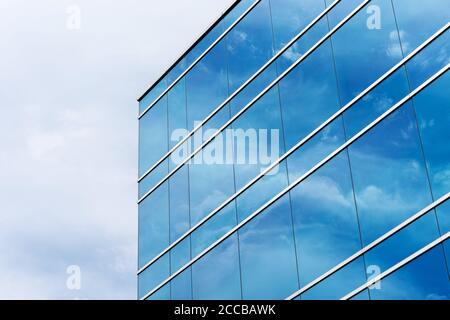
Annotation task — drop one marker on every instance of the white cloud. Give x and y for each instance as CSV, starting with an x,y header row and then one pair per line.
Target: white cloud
x,y
68,135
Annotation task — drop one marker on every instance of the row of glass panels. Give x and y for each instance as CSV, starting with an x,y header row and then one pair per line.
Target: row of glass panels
x,y
196,190
326,219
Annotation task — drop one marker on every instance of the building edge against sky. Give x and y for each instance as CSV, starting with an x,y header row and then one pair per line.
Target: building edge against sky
x,y
347,104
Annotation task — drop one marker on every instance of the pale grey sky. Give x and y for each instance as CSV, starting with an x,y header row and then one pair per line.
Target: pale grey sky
x,y
68,136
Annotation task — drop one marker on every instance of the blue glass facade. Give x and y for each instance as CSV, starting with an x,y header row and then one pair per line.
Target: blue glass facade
x,y
349,105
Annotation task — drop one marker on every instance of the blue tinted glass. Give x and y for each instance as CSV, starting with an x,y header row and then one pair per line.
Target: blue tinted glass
x,y
206,85
161,294
214,228
376,102
151,96
432,14
309,95
153,137
291,16
302,45
341,10
181,286
153,224
268,261
259,138
389,175
422,279
404,243
325,219
177,110
364,49
318,147
443,213
153,178
433,113
153,276
176,71
210,184
339,284
364,295
216,275
249,45
262,191
179,203
429,61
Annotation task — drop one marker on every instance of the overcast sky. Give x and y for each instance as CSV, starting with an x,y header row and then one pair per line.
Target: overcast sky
x,y
68,136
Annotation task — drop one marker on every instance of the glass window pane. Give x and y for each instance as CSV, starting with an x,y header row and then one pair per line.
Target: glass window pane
x,y
291,16
364,49
422,279
177,111
161,294
153,178
207,85
404,243
262,191
153,137
258,138
153,276
429,61
179,203
210,184
214,228
432,14
325,219
269,268
151,96
181,286
153,224
249,45
389,174
309,95
316,149
216,276
376,102
433,113
339,284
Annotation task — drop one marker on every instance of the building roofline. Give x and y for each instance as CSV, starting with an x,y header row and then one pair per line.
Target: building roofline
x,y
190,47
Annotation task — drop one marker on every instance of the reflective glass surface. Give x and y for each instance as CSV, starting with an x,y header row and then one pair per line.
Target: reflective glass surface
x,y
389,174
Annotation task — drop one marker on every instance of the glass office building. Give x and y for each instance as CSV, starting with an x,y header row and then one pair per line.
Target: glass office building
x,y
341,187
